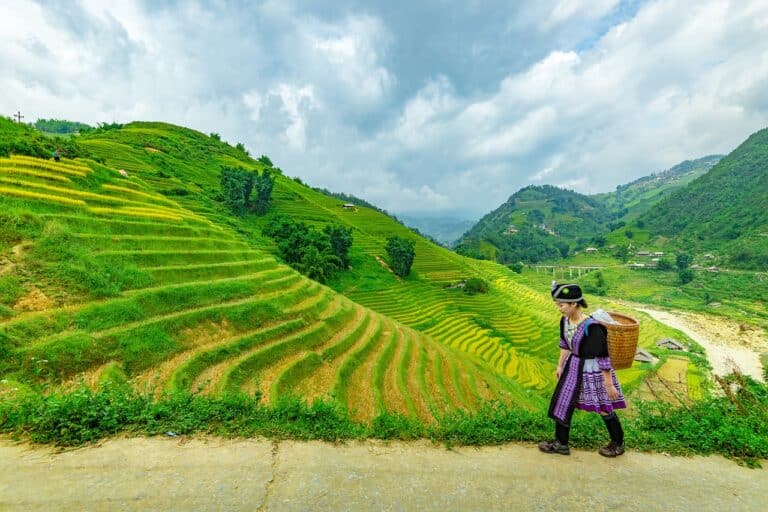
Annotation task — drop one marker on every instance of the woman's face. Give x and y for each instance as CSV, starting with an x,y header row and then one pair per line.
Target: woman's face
x,y
566,308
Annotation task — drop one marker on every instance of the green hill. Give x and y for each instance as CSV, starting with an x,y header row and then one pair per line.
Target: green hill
x,y
133,270
536,223
723,211
548,223
632,199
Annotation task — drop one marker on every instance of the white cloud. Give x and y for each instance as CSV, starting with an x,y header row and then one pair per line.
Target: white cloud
x,y
568,9
345,99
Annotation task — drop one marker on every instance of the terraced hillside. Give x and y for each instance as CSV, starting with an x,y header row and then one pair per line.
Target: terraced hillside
x,y
105,279
511,328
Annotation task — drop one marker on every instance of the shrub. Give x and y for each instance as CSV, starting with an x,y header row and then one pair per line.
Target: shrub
x,y
475,285
401,254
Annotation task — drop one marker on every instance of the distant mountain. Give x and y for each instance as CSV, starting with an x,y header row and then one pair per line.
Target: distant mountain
x,y
536,223
631,200
547,222
446,230
725,210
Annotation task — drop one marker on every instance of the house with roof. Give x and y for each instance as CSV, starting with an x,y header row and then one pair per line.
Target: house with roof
x,y
671,344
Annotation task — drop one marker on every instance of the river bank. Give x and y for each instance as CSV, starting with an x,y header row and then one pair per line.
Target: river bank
x,y
729,345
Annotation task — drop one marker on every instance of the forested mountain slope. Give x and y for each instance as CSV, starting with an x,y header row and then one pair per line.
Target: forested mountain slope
x,y
725,210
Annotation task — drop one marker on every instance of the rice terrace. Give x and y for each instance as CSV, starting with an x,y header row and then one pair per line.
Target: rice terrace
x,y
444,228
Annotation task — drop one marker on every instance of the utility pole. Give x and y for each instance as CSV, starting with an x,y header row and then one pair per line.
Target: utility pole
x,y
18,117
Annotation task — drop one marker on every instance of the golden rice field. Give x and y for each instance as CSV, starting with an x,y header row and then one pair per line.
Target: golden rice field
x,y
217,313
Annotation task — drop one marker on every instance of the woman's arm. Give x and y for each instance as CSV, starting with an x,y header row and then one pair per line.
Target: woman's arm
x,y
564,353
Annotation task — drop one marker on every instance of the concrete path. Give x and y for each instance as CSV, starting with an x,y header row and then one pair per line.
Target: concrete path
x,y
213,474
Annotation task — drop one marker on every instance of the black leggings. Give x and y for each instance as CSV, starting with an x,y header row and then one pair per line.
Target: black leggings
x,y
612,423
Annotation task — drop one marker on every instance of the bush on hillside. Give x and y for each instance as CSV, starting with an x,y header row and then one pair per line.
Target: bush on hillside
x,y
61,126
475,285
263,185
401,254
685,275
317,254
20,139
341,242
683,260
237,185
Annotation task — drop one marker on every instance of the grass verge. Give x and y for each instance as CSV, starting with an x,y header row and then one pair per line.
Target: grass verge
x,y
732,425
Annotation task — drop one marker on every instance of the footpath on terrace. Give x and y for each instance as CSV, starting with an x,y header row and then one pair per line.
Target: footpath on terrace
x,y
214,474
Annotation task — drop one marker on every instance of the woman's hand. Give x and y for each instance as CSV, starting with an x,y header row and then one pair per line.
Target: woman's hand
x,y
558,372
613,393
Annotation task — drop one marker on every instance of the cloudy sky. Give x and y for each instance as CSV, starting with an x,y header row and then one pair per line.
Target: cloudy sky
x,y
427,107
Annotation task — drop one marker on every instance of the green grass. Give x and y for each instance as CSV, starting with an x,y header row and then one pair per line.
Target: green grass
x,y
732,427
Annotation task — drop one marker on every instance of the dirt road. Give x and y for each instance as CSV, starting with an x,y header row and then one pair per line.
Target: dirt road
x,y
212,474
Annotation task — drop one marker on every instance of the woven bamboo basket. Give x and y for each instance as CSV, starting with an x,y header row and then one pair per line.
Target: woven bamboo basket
x,y
622,340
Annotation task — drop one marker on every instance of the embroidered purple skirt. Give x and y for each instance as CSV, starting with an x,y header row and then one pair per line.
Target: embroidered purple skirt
x,y
593,396
581,387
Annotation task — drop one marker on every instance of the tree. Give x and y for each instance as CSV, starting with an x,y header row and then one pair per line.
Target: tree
x,y
535,216
236,185
305,249
475,285
341,241
685,275
622,253
264,159
263,185
241,147
215,136
683,261
664,264
401,254
517,267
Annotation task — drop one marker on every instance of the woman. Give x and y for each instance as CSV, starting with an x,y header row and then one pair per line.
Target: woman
x,y
585,378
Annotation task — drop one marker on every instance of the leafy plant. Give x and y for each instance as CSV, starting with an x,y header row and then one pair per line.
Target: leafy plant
x,y
401,253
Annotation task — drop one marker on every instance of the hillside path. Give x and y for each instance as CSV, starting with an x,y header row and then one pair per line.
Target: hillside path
x,y
214,474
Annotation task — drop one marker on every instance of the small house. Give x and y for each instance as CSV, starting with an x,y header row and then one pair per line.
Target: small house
x,y
709,256
658,253
643,253
123,172
697,267
511,230
590,250
713,269
348,206
671,344
643,356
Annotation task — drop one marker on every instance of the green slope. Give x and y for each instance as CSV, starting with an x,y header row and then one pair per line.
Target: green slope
x,y
631,200
536,223
147,274
547,223
723,211
511,334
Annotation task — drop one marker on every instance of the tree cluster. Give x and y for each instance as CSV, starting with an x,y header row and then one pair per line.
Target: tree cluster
x,y
61,126
317,254
475,285
238,185
401,253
